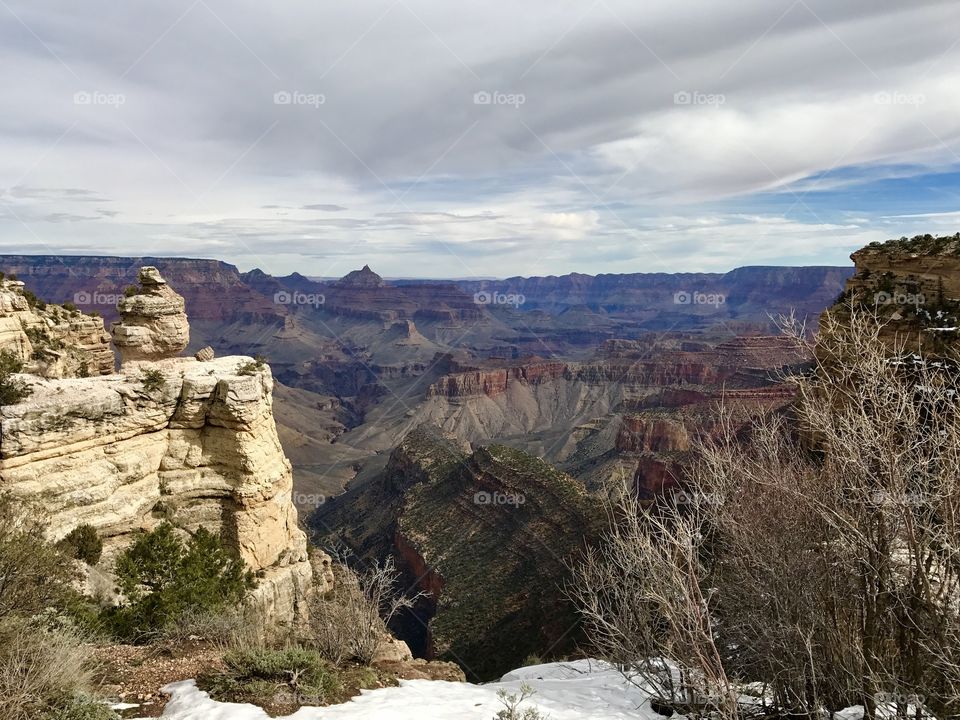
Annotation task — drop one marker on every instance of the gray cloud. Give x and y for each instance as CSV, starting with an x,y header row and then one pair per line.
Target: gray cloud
x,y
610,131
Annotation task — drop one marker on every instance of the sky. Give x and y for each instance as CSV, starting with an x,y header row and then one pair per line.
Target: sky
x,y
430,138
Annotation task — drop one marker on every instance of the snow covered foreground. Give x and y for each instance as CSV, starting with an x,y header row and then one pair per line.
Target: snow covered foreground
x,y
580,690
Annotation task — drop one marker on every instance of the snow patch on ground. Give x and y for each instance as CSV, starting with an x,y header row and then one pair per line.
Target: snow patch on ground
x,y
580,690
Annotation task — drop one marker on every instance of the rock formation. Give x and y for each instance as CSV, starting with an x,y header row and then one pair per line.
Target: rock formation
x,y
153,321
174,439
913,285
51,340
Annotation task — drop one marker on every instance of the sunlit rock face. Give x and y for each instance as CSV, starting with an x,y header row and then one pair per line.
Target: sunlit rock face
x,y
153,321
52,341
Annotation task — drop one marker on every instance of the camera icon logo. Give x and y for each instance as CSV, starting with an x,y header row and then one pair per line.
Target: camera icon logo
x,y
682,297
282,98
482,98
282,298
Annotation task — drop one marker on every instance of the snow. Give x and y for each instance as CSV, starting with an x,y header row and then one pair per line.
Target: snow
x,y
580,690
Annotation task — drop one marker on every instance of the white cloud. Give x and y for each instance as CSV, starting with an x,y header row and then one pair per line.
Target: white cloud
x,y
597,169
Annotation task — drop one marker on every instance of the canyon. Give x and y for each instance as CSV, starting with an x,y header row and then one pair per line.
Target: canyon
x,y
409,420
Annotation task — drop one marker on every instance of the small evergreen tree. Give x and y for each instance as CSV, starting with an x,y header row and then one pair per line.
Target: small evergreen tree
x,y
83,543
162,579
12,390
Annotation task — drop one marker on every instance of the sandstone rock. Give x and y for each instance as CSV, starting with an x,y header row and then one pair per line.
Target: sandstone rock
x,y
153,322
201,450
51,340
205,354
391,650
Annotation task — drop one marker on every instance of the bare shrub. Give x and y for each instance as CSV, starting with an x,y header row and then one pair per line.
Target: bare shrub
x,y
42,671
827,564
350,622
646,607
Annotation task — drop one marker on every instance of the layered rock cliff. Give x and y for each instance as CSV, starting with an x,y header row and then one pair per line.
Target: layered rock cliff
x,y
913,286
173,439
51,340
485,534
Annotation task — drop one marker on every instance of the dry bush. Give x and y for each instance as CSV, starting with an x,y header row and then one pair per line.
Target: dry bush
x,y
42,671
826,564
646,609
33,573
241,628
350,622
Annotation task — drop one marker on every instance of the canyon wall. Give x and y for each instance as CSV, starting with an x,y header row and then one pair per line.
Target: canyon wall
x,y
167,439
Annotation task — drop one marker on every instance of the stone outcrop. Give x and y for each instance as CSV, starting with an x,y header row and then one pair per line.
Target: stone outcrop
x,y
51,340
913,286
124,455
167,439
153,321
485,534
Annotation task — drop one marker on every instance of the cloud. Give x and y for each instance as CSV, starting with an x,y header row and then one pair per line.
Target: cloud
x,y
539,138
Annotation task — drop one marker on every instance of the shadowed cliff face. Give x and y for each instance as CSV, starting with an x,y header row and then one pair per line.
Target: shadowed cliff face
x,y
913,286
485,534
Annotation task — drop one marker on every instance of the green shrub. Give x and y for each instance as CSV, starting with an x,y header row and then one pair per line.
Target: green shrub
x,y
162,579
511,705
12,390
131,290
81,707
252,368
83,543
152,380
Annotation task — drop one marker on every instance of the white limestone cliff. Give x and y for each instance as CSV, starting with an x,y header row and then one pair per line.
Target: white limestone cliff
x,y
126,451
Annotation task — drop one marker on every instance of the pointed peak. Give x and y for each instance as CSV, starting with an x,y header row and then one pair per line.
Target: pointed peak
x,y
362,278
